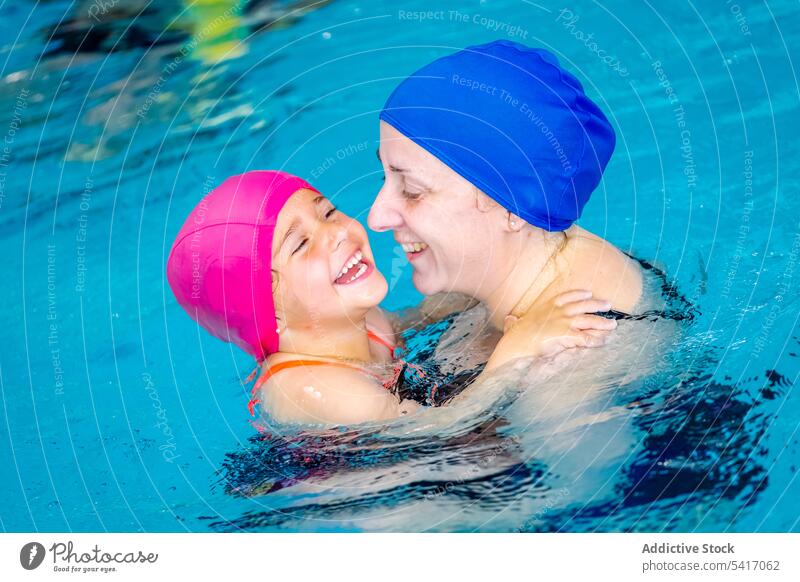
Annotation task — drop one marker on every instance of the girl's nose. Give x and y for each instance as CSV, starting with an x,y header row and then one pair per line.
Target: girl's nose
x,y
337,234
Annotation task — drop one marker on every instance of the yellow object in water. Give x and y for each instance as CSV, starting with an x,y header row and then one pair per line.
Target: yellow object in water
x,y
216,33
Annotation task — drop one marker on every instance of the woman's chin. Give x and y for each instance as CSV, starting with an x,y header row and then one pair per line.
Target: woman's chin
x,y
426,283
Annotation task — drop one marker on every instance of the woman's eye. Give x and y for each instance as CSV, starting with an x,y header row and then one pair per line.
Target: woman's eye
x,y
330,212
411,195
300,246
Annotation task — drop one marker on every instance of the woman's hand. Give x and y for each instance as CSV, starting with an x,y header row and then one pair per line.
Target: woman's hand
x,y
562,323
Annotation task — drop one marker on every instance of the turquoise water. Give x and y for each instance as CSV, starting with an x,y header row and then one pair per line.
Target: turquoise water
x,y
120,415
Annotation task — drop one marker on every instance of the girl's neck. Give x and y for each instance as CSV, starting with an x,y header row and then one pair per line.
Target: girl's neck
x,y
346,339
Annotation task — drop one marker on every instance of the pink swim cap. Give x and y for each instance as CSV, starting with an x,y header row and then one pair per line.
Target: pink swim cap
x,y
220,266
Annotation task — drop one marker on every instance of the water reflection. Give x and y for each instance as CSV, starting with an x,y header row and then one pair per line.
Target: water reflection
x,y
160,63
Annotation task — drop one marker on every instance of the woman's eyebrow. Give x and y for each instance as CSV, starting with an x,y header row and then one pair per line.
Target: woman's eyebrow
x,y
391,167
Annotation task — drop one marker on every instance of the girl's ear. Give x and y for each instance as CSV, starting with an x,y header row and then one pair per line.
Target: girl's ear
x,y
275,303
274,281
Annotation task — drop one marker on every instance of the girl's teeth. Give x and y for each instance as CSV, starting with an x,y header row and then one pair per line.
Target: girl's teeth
x,y
360,272
354,260
362,268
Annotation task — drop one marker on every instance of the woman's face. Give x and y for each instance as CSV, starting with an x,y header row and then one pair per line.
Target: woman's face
x,y
450,242
323,264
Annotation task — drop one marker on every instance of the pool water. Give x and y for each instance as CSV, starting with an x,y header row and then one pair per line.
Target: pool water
x,y
119,414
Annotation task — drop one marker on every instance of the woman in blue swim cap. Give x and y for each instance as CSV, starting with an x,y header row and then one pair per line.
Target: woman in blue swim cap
x,y
490,155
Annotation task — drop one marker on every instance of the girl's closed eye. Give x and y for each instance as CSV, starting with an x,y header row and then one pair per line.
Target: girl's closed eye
x,y
330,212
300,246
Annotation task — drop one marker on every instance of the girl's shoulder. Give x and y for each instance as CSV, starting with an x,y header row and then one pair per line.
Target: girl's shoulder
x,y
322,392
288,370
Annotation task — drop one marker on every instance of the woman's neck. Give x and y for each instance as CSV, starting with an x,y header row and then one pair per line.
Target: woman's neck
x,y
346,339
529,272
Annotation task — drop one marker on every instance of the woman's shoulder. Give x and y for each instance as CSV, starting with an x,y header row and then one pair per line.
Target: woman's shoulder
x,y
598,265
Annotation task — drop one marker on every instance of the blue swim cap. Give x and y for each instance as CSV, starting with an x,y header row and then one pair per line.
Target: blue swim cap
x,y
514,123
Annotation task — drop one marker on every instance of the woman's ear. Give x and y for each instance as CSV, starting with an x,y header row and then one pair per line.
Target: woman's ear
x,y
514,222
484,203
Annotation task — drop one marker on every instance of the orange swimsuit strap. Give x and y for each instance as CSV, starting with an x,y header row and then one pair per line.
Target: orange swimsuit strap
x,y
275,368
376,338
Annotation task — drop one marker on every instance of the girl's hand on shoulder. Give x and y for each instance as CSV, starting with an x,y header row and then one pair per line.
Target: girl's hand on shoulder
x,y
567,321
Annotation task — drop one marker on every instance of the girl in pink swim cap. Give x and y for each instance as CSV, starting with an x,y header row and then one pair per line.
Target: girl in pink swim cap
x,y
268,263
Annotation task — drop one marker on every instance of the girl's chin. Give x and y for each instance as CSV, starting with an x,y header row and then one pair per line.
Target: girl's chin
x,y
364,293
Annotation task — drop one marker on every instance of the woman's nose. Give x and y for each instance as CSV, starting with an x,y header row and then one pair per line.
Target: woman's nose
x,y
384,215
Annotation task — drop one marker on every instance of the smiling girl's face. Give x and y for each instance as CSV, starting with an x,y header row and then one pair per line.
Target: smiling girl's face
x,y
323,265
